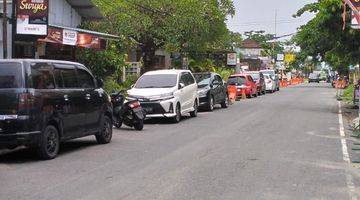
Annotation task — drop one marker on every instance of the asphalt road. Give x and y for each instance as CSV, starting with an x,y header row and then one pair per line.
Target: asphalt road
x,y
279,146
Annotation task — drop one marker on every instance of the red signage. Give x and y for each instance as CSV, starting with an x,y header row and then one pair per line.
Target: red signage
x,y
356,3
56,35
32,17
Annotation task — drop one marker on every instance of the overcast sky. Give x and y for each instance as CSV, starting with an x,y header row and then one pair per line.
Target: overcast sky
x,y
260,15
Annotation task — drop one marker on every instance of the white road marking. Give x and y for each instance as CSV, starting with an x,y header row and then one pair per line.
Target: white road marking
x,y
346,156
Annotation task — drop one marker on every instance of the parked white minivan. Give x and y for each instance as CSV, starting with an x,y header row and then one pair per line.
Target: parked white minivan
x,y
167,93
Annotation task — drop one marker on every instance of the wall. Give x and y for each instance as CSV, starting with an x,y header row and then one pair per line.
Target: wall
x,y
251,52
62,14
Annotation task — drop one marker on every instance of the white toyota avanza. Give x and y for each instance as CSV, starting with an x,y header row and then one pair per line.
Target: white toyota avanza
x,y
167,93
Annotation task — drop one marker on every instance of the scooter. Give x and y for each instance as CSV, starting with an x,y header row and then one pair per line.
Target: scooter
x,y
128,112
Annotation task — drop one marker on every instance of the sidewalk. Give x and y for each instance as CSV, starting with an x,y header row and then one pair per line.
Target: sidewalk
x,y
351,120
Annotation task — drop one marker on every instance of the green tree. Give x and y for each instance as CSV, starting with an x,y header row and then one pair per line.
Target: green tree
x,y
177,26
324,35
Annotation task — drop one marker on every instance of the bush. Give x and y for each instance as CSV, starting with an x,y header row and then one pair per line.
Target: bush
x,y
111,85
348,94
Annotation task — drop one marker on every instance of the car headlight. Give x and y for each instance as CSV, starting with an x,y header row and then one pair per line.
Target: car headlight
x,y
166,96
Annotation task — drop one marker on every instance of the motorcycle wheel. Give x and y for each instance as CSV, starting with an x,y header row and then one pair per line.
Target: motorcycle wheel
x,y
139,126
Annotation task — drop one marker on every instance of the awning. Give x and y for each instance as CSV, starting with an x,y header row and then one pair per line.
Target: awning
x,y
77,37
102,35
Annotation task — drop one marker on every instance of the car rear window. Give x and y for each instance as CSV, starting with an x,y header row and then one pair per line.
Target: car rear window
x,y
10,75
237,80
255,76
203,79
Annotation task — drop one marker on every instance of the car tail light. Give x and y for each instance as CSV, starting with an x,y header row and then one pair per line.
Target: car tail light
x,y
134,104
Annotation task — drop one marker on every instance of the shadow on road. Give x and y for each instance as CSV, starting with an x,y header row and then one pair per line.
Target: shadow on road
x,y
28,155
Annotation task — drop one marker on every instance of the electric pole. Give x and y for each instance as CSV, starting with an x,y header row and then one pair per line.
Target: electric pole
x,y
5,29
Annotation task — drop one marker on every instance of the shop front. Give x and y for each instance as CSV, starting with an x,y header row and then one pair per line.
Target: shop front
x,y
48,29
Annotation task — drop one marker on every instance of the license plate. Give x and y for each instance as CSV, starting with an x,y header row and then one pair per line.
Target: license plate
x,y
2,117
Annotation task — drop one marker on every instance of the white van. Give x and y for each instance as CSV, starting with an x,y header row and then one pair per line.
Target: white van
x,y
167,93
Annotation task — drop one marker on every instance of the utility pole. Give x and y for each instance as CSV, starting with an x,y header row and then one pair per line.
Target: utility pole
x,y
5,29
276,22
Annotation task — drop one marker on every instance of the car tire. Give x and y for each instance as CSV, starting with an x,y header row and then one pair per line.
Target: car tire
x,y
139,125
255,94
177,118
225,103
105,134
195,112
211,104
49,144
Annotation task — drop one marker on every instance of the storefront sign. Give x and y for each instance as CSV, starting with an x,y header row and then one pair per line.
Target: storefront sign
x,y
355,18
356,3
289,58
32,17
69,37
54,36
90,41
73,38
231,59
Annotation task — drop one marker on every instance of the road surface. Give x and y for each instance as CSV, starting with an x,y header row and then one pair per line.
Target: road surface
x,y
279,146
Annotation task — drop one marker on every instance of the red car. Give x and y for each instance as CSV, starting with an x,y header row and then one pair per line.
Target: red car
x,y
244,83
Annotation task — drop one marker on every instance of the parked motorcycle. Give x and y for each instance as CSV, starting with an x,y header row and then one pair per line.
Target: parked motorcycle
x,y
125,112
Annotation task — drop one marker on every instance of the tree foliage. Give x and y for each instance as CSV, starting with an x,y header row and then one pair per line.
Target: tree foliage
x,y
177,26
323,35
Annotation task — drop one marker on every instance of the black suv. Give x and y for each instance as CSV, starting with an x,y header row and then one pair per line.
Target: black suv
x,y
45,102
211,90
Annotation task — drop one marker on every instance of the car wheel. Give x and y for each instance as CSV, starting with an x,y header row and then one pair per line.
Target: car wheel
x,y
211,104
225,103
195,112
177,118
255,94
105,134
139,125
49,144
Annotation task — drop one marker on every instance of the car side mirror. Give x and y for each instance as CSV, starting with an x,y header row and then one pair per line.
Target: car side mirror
x,y
132,86
181,85
100,83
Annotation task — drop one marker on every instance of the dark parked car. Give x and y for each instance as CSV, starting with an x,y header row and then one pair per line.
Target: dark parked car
x,y
259,79
46,102
212,90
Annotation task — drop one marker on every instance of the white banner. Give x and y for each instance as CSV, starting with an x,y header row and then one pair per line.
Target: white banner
x,y
69,37
23,27
231,59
